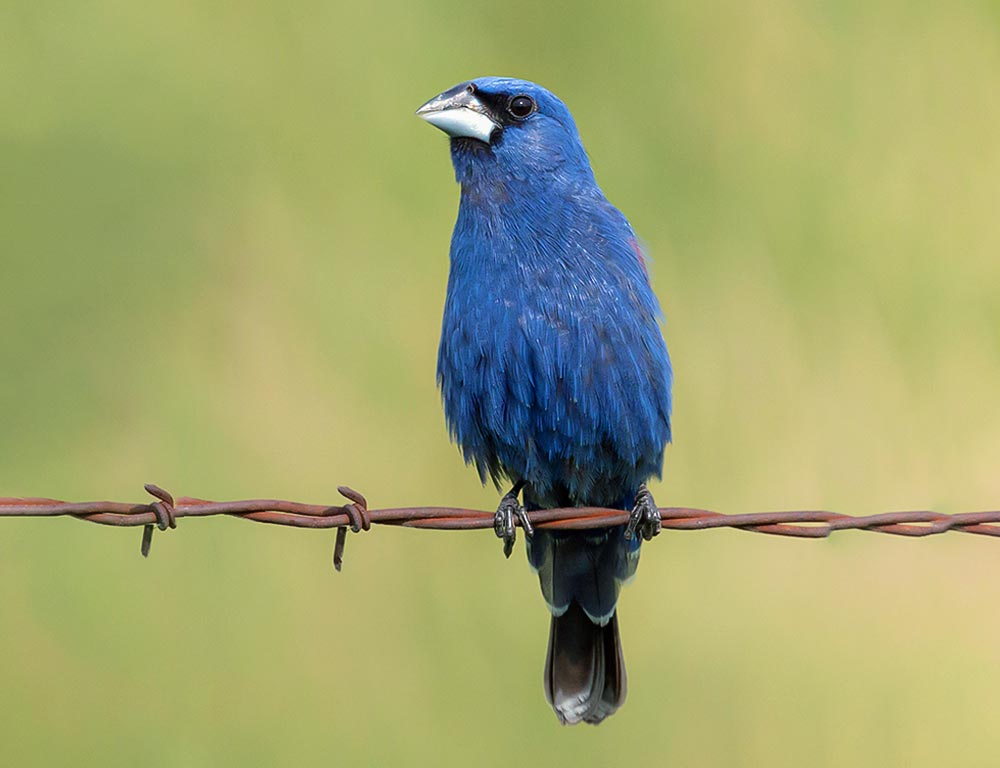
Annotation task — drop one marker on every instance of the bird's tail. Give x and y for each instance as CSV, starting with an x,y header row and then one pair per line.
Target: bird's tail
x,y
580,574
584,670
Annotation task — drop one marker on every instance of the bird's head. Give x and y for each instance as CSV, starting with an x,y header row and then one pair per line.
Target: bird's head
x,y
501,126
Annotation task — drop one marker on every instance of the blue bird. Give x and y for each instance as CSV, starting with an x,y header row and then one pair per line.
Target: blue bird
x,y
553,371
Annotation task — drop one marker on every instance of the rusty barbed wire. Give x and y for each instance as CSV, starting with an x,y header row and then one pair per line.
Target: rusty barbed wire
x,y
165,511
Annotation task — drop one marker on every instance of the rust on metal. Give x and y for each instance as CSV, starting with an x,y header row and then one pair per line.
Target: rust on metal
x,y
165,511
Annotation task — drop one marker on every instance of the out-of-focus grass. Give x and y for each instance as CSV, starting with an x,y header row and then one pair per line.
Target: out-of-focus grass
x,y
223,249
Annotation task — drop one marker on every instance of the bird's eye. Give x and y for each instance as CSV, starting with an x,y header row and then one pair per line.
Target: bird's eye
x,y
521,106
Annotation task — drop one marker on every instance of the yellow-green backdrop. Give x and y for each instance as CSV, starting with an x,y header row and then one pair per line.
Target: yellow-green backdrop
x,y
223,254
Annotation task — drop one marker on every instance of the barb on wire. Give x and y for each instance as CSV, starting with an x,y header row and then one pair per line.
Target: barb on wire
x,y
165,511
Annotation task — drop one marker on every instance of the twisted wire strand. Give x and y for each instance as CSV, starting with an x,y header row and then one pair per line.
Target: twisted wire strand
x,y
164,512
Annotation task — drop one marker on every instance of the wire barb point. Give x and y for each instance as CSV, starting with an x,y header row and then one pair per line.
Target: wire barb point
x,y
360,520
147,540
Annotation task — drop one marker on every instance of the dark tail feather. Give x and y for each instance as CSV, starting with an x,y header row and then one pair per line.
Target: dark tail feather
x,y
585,670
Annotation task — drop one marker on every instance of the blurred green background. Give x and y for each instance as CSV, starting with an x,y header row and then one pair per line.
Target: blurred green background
x,y
223,255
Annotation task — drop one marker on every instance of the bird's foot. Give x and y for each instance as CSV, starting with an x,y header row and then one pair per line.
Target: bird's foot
x,y
503,520
645,517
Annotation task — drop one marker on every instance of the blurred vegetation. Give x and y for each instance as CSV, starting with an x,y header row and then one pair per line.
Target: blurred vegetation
x,y
223,254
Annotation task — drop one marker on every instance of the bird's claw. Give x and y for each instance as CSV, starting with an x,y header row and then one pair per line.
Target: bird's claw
x,y
644,519
503,521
